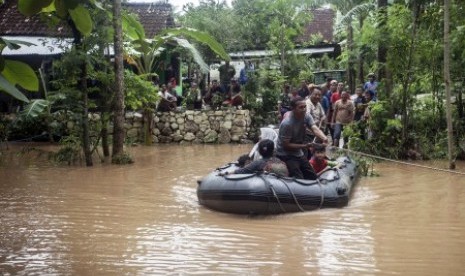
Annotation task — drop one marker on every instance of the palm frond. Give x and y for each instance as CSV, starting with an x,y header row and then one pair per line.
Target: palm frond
x,y
200,37
356,11
34,108
195,53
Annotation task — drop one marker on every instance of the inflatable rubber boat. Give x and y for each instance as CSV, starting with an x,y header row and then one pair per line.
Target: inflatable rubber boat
x,y
263,193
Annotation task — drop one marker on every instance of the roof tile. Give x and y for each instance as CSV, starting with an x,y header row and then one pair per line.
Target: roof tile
x,y
153,16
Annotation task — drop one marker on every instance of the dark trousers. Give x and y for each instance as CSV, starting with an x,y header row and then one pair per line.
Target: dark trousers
x,y
299,167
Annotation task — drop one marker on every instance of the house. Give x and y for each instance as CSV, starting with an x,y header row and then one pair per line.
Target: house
x,y
51,41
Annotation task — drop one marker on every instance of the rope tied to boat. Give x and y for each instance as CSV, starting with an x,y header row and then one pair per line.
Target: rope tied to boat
x,y
322,197
270,186
292,194
397,161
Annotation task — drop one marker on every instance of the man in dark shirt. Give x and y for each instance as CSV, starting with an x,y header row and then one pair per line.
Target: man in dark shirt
x,y
291,140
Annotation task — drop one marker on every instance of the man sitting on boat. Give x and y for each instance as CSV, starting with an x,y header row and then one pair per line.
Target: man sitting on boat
x,y
291,140
268,163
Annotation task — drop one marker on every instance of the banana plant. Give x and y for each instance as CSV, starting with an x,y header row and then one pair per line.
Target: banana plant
x,y
143,52
14,72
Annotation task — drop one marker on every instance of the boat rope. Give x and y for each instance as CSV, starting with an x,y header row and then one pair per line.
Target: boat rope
x,y
322,193
397,161
273,191
277,199
28,139
293,196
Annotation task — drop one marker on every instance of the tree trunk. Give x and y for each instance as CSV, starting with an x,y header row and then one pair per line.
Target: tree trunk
x,y
118,123
82,87
148,119
406,81
450,133
361,57
85,115
382,47
104,132
351,63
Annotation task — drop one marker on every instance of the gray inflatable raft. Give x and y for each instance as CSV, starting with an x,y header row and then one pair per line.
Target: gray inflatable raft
x,y
264,193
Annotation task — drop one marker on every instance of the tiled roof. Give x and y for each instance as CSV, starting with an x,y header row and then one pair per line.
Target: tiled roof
x,y
153,16
13,23
322,23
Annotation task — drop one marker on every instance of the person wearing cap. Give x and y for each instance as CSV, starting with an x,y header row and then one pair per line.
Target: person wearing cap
x,y
371,85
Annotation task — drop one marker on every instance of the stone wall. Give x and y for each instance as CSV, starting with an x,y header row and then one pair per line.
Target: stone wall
x,y
206,126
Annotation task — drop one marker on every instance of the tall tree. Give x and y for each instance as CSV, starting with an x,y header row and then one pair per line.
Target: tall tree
x,y
77,16
447,82
118,123
383,44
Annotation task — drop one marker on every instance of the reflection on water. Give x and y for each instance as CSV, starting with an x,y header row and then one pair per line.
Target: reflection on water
x,y
144,219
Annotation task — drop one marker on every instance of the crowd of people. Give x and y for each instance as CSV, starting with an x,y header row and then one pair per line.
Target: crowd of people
x,y
312,117
226,92
195,98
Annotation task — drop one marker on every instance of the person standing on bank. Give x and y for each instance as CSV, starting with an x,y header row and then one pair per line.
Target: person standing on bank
x,y
291,140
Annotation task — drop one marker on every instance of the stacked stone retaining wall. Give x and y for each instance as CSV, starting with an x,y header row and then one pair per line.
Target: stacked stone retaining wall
x,y
202,126
205,126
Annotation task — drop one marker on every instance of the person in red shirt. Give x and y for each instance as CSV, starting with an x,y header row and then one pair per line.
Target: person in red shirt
x,y
319,161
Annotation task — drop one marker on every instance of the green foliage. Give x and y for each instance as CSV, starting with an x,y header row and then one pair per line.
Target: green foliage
x,y
20,73
70,151
366,167
122,159
216,19
4,129
31,7
14,72
27,128
82,19
140,94
261,94
77,11
34,108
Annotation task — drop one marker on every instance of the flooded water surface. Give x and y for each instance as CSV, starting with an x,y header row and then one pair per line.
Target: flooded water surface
x,y
144,219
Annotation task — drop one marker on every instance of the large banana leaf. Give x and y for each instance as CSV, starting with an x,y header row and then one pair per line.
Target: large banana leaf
x,y
195,53
17,72
132,27
198,36
11,89
82,19
35,108
31,7
13,44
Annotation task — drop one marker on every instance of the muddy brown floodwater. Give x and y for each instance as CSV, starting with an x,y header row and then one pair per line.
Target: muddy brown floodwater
x,y
144,219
